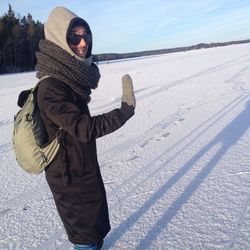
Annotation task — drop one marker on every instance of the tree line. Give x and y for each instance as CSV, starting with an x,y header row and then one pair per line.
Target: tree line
x,y
19,37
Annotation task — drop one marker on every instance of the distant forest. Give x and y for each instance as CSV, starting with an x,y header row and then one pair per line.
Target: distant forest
x,y
19,38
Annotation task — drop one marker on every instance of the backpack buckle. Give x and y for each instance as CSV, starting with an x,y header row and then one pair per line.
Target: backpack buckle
x,y
45,159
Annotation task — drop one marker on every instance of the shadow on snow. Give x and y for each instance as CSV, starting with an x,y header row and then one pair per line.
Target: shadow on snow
x,y
226,138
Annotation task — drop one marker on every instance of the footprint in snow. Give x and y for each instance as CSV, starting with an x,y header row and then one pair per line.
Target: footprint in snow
x,y
3,212
133,158
143,144
164,136
114,98
179,120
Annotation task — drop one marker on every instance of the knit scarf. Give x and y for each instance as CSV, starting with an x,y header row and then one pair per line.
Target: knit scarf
x,y
55,62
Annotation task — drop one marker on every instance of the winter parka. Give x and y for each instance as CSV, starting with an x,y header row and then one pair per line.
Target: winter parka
x,y
81,203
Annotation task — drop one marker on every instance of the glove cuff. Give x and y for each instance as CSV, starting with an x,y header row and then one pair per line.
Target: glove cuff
x,y
127,110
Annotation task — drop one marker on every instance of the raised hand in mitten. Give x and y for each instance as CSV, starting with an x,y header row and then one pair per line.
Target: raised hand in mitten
x,y
127,91
128,97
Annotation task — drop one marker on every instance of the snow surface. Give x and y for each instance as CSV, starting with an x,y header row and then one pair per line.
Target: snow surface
x,y
176,175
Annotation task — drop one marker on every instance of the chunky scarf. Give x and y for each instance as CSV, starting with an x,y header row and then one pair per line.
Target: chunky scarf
x,y
57,63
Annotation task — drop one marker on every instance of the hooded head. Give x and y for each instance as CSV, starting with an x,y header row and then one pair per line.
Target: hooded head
x,y
59,23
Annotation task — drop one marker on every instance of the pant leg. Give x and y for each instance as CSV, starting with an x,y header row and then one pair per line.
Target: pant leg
x,y
99,245
85,247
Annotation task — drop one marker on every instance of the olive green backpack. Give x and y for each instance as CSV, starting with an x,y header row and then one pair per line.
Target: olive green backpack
x,y
30,138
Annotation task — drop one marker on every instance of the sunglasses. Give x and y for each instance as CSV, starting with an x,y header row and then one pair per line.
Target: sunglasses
x,y
75,39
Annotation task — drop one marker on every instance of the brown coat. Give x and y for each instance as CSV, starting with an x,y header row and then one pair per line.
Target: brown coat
x,y
82,203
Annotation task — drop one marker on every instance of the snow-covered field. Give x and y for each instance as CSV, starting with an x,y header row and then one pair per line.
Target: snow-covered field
x,y
176,175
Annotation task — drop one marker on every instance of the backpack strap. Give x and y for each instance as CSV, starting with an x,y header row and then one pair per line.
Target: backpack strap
x,y
43,90
23,96
40,80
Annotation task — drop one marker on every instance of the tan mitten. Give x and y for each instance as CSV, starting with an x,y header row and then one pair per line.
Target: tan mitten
x,y
127,91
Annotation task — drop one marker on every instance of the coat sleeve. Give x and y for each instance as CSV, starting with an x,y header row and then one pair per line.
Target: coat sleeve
x,y
60,107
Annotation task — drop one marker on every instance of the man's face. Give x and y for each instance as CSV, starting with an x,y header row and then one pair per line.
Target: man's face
x,y
77,41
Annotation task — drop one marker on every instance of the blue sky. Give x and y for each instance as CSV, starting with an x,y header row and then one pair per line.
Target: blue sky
x,y
136,25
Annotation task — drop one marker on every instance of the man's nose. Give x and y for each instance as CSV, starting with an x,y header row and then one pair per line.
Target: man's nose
x,y
82,43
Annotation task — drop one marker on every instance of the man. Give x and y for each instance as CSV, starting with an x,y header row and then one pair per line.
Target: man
x,y
74,175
